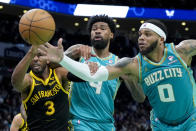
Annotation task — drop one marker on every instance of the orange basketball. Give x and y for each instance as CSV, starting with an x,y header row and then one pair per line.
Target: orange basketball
x,y
37,26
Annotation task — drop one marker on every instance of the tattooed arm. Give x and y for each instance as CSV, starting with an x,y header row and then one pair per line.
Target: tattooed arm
x,y
129,67
73,52
77,51
123,66
134,87
187,49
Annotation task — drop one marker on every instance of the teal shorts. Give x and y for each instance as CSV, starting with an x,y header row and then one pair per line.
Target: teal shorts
x,y
188,125
82,125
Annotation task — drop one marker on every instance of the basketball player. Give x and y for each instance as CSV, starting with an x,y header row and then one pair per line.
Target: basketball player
x,y
19,121
92,103
161,68
44,92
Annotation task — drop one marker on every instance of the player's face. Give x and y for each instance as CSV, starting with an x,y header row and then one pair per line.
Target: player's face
x,y
100,35
147,41
37,65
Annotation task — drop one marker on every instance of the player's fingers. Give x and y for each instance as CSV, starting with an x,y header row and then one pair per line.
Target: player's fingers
x,y
44,53
81,50
44,58
60,41
48,45
85,52
43,48
93,67
88,52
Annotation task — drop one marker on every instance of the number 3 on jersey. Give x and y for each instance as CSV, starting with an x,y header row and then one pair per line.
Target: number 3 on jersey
x,y
50,105
96,85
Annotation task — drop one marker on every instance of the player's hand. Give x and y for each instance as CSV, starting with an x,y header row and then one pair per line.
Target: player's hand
x,y
93,67
34,49
85,52
52,53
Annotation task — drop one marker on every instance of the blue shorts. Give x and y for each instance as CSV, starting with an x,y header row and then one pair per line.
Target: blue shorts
x,y
82,125
188,125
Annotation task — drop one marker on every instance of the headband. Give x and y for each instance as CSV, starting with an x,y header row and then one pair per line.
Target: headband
x,y
154,28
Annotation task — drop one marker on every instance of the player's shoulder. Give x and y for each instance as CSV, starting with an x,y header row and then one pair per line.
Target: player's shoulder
x,y
127,63
61,72
132,60
133,64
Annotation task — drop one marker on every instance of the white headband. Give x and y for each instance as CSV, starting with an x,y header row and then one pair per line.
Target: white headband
x,y
154,28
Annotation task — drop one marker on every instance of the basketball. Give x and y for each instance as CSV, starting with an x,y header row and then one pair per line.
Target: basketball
x,y
36,26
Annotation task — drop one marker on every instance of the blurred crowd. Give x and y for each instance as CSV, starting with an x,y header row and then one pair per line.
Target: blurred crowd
x,y
9,103
129,115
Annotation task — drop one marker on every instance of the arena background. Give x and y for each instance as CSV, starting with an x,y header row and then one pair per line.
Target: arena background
x,y
129,115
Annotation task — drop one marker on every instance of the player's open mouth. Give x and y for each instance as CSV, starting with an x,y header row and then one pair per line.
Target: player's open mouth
x,y
141,45
98,38
36,66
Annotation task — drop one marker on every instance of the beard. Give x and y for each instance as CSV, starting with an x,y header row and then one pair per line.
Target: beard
x,y
99,44
38,71
150,48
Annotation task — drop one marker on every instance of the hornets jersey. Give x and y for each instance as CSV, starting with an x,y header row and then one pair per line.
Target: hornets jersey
x,y
94,101
47,104
165,84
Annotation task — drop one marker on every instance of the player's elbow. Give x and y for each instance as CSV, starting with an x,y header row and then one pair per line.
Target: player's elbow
x,y
141,99
15,83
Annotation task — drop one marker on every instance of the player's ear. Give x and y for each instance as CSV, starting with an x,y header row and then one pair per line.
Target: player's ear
x,y
162,40
111,35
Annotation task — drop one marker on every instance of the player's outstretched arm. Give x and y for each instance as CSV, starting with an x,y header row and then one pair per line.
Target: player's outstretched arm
x,y
187,49
103,73
20,80
55,54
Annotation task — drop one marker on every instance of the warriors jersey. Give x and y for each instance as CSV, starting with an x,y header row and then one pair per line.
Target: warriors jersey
x,y
169,86
94,101
47,104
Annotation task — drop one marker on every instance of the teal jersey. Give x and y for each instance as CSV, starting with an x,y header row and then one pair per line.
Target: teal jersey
x,y
165,84
94,101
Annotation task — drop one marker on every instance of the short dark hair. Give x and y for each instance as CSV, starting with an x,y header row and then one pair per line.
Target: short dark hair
x,y
159,24
101,18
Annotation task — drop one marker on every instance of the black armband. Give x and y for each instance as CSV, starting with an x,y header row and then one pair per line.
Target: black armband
x,y
72,77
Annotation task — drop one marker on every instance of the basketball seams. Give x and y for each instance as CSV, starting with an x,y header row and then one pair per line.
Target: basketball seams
x,y
38,36
28,18
41,19
37,27
31,25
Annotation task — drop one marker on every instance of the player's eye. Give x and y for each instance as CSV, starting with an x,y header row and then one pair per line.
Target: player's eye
x,y
103,27
94,28
148,34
